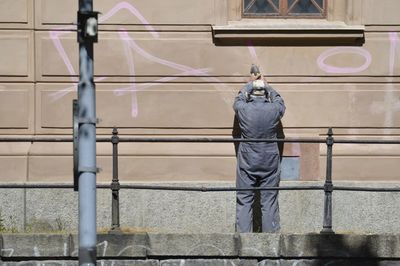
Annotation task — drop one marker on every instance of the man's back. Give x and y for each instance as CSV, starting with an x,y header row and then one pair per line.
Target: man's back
x,y
258,118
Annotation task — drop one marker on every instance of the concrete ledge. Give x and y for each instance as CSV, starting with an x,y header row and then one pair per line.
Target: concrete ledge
x,y
341,246
204,246
208,262
110,245
193,245
38,245
259,245
213,262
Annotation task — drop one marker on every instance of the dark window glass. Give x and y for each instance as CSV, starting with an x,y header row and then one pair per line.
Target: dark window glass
x,y
261,6
304,6
284,8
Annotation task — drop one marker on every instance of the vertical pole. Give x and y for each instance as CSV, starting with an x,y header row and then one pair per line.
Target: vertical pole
x,y
115,187
87,150
328,187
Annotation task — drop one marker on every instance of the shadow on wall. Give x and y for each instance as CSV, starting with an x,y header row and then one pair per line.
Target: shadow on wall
x,y
236,133
343,250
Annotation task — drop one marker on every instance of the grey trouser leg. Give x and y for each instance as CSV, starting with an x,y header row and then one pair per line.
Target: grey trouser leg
x,y
269,204
268,176
244,203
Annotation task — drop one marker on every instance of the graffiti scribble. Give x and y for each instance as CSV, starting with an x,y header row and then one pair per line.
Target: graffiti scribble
x,y
344,50
390,104
394,42
129,45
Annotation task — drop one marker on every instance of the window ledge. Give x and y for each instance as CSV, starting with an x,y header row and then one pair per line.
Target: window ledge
x,y
310,32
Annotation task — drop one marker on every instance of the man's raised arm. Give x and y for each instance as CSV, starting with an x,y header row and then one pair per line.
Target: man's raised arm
x,y
277,100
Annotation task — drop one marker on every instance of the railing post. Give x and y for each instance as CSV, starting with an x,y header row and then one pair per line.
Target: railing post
x,y
115,186
328,187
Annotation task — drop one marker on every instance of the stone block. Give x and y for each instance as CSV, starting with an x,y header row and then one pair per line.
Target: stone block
x,y
208,262
339,245
259,245
40,262
35,245
281,262
330,262
57,209
381,246
312,245
132,209
366,212
12,207
204,245
17,57
189,212
113,245
301,211
127,262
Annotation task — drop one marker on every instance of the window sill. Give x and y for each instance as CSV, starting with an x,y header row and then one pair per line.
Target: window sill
x,y
299,32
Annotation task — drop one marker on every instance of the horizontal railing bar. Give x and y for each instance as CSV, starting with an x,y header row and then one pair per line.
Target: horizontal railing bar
x,y
150,187
220,140
218,189
196,188
366,189
36,139
366,141
146,139
42,185
197,139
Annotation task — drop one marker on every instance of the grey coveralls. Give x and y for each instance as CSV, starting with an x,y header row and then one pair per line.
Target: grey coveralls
x,y
257,162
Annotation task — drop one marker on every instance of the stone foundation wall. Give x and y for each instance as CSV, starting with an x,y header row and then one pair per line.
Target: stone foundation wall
x,y
49,210
205,249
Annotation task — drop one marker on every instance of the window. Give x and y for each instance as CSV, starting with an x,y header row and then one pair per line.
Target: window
x,y
284,8
289,22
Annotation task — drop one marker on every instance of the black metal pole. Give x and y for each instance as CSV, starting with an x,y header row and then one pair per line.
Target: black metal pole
x,y
328,186
115,186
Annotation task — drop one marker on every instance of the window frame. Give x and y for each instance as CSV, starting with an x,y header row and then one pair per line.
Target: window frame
x,y
283,12
342,26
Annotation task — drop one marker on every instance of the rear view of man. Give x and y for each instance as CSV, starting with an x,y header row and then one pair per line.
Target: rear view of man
x,y
259,109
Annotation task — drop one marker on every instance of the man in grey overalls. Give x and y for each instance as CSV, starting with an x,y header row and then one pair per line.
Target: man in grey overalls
x,y
259,109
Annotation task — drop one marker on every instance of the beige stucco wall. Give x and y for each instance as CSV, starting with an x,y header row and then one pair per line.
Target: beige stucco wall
x,y
158,72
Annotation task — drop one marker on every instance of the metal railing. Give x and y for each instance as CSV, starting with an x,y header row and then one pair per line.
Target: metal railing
x,y
115,185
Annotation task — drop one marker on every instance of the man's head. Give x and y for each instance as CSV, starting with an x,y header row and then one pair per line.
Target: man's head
x,y
258,88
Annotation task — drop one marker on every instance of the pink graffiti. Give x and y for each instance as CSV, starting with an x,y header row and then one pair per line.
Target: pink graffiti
x,y
57,33
61,93
134,88
344,70
125,37
394,42
130,44
255,59
253,53
391,104
186,70
134,11
131,64
54,36
122,91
